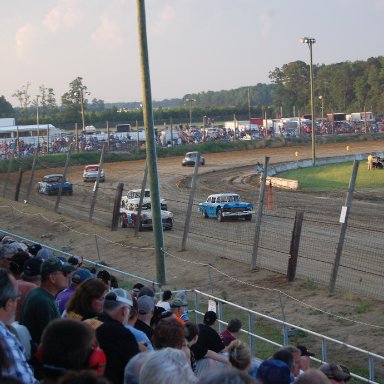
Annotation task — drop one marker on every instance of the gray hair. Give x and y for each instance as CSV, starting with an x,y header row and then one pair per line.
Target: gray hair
x,y
133,368
226,375
167,366
312,376
7,288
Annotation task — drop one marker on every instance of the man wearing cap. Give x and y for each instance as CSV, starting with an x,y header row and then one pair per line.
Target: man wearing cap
x,y
177,308
77,278
305,358
146,306
336,373
39,307
114,338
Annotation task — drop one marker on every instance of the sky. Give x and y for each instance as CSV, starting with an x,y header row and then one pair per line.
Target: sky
x,y
194,45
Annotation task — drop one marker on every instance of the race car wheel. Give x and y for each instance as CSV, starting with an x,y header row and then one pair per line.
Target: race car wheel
x,y
204,214
219,215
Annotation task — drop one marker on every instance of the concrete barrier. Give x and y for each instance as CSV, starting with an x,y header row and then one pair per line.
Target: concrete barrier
x,y
294,184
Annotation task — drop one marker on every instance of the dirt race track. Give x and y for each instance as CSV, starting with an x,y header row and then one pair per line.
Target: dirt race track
x,y
305,304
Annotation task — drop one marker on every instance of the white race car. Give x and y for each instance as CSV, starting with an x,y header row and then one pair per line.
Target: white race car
x,y
133,196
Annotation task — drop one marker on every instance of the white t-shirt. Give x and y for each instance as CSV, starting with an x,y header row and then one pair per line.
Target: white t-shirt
x,y
164,304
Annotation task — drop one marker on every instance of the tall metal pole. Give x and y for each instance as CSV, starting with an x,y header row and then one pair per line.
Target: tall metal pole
x,y
151,144
82,108
310,43
37,120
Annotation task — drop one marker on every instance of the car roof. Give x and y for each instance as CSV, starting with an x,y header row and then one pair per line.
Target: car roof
x,y
138,190
91,166
54,175
224,194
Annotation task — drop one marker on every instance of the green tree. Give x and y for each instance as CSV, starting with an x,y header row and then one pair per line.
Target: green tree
x,y
6,109
74,100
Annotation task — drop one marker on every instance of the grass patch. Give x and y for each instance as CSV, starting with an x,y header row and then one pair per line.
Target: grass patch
x,y
335,177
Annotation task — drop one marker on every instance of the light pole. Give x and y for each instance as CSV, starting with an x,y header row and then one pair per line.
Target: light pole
x,y
310,41
37,120
190,101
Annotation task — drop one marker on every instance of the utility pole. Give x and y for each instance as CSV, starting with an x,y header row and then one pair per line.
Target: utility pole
x,y
151,144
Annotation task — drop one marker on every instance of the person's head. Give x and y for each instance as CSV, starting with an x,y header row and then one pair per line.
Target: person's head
x,y
210,318
32,270
118,304
8,297
133,368
146,291
34,248
6,253
285,356
88,298
296,353
80,275
305,358
17,263
55,274
146,306
336,373
239,355
177,306
234,326
76,261
104,276
226,375
168,366
312,376
167,295
68,344
273,372
168,333
136,289
191,332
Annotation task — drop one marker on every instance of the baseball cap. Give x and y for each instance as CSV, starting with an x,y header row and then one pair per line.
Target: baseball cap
x,y
210,317
336,372
146,291
119,295
44,253
31,268
34,248
177,303
54,264
304,351
145,304
81,275
274,372
136,288
75,260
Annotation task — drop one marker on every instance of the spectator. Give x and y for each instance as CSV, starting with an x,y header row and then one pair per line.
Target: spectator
x,y
336,373
133,368
169,333
105,277
164,302
76,261
87,302
232,331
239,355
13,361
146,308
136,289
285,356
68,344
312,376
39,307
226,375
34,248
274,372
77,277
370,162
147,291
6,253
140,336
177,308
117,342
168,366
296,354
208,337
305,357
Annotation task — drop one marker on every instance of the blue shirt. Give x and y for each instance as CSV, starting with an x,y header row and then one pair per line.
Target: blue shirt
x,y
15,353
140,336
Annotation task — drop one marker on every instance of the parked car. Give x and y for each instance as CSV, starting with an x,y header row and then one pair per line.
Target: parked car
x,y
129,216
133,196
90,173
50,185
226,205
190,159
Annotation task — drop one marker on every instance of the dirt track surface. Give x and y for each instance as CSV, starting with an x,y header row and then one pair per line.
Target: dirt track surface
x,y
258,290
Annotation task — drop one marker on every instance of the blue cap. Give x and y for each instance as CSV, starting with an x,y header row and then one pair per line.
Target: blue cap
x,y
81,275
274,372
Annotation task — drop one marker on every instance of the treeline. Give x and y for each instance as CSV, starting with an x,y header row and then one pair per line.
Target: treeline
x,y
343,87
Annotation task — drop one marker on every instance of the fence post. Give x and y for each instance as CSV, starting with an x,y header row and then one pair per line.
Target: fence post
x,y
96,186
344,224
295,244
116,206
10,164
142,192
31,175
18,185
190,202
62,181
259,213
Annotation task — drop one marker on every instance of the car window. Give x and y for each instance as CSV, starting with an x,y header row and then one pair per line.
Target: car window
x,y
213,199
147,194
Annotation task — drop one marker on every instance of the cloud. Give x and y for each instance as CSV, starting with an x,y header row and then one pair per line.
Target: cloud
x,y
166,15
25,37
107,34
65,14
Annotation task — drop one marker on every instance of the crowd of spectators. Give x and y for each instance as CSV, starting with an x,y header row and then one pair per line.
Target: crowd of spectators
x,y
61,322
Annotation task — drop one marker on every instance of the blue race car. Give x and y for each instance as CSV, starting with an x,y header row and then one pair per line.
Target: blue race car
x,y
50,185
226,205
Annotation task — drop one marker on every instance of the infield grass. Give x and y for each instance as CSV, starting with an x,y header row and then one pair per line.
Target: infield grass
x,y
335,177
